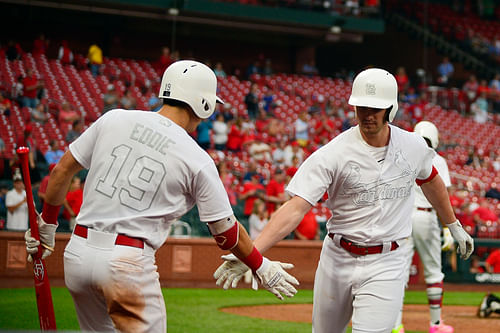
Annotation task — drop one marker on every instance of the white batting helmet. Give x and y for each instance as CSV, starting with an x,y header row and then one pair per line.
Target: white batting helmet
x,y
193,83
429,131
376,88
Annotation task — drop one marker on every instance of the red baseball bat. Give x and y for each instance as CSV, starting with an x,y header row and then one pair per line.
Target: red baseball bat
x,y
42,286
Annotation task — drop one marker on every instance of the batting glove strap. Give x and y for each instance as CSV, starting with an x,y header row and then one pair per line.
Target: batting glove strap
x,y
464,240
275,279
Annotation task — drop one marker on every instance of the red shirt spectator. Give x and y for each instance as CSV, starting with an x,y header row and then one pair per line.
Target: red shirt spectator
x,y
65,55
73,200
275,191
493,262
308,227
484,214
252,190
30,83
40,45
235,138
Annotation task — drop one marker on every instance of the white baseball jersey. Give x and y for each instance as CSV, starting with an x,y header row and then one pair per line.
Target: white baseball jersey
x,y
145,172
371,202
440,164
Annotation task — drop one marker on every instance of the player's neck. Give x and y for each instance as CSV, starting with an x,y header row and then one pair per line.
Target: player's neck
x,y
179,116
377,139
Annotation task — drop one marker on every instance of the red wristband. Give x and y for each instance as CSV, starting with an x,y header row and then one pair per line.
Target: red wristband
x,y
50,213
253,260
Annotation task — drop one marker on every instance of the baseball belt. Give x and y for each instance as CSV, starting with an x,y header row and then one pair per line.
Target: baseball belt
x,y
81,230
362,250
425,209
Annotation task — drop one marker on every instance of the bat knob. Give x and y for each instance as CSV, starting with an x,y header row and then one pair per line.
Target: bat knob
x,y
22,150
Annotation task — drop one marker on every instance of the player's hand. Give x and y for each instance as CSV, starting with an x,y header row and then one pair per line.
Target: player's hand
x,y
273,277
230,272
464,240
47,234
447,240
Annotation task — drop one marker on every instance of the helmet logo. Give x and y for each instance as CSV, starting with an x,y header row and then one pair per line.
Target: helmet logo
x,y
370,89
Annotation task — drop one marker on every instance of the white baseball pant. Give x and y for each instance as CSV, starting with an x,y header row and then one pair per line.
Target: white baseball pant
x,y
114,287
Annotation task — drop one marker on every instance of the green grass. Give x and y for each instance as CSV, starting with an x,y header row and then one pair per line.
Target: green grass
x,y
190,310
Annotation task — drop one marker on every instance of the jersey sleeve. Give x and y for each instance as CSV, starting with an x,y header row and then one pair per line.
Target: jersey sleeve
x,y
311,180
425,167
211,197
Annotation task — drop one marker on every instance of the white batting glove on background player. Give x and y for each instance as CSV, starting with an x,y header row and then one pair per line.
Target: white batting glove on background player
x,y
447,240
47,237
273,277
464,240
230,272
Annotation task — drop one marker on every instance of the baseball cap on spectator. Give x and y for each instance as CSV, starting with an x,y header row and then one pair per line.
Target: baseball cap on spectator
x,y
17,176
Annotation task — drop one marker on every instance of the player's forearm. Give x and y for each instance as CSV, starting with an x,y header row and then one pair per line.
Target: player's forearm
x,y
437,194
282,223
245,244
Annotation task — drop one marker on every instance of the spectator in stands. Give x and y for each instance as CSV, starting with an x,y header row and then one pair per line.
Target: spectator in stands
x,y
445,72
275,191
17,209
252,170
40,114
252,190
492,263
75,131
308,228
65,55
14,51
110,99
3,208
30,89
228,180
324,128
493,192
483,213
95,59
5,105
479,109
17,91
278,153
293,150
309,68
203,133
54,154
292,169
302,129
221,131
235,136
67,115
73,202
402,80
227,112
43,186
128,101
253,68
259,150
165,60
258,219
40,45
348,121
219,71
476,266
268,67
252,101
495,83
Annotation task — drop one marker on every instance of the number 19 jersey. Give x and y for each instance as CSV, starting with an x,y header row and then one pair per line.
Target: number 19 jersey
x,y
145,172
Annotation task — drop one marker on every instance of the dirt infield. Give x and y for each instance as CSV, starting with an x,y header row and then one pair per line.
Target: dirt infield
x,y
415,317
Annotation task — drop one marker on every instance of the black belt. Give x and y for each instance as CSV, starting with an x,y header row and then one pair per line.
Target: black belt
x,y
362,250
81,230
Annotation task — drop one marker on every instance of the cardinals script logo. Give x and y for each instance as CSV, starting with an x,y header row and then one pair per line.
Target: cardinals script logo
x,y
38,269
365,193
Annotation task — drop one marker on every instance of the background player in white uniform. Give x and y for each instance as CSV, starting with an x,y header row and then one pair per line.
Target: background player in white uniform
x,y
145,172
426,238
369,172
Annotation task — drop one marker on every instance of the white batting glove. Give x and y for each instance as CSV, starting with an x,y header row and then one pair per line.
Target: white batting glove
x,y
230,272
47,234
464,240
273,277
447,240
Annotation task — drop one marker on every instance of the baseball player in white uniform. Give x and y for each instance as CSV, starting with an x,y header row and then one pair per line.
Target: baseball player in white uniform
x,y
426,238
369,173
145,172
